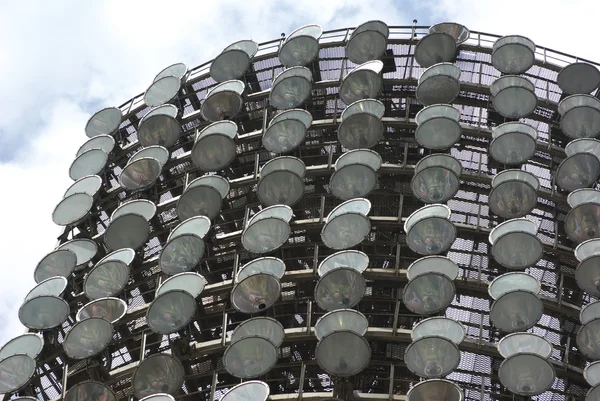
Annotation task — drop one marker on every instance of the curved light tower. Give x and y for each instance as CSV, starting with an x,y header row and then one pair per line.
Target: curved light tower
x,y
367,42
224,101
514,193
185,246
578,78
429,230
438,84
291,88
347,224
513,54
580,116
341,284
287,131
513,96
438,126
581,168
233,61
214,147
434,351
257,285
281,181
355,174
437,178
301,46
516,306
513,143
430,287
203,197
130,225
363,82
342,349
361,125
588,270
526,370
583,221
515,244
268,229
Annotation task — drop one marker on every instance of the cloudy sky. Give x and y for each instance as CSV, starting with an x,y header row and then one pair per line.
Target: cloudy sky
x,y
63,60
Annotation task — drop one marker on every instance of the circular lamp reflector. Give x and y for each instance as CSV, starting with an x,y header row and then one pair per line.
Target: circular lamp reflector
x,y
159,129
589,312
367,42
588,339
140,174
90,184
429,230
223,101
125,255
286,131
591,373
529,343
88,338
355,174
513,143
200,200
363,82
343,353
106,279
432,357
588,270
159,397
341,319
250,357
90,162
104,142
15,372
164,109
513,54
214,148
459,32
83,391
233,61
516,311
513,96
291,88
438,84
127,231
435,48
181,254
436,178
514,193
438,126
301,46
441,326
361,125
526,374
508,282
578,78
60,263
163,90
157,152
84,250
44,312
515,244
581,168
268,264
252,390
73,209
356,260
340,288
29,344
583,221
580,116
177,70
435,389
111,309
428,293
264,327
256,293
171,311
433,264
53,286
347,224
197,225
268,229
190,282
281,181
159,373
104,122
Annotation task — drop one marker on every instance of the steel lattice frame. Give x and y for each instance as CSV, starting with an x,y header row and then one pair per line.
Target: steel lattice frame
x,y
390,322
